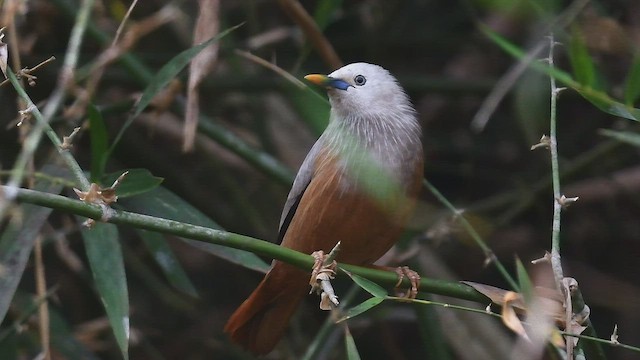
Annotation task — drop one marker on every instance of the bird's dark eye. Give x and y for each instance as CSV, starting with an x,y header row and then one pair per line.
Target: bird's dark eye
x,y
360,80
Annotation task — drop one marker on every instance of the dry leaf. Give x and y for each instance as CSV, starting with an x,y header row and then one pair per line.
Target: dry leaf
x,y
4,54
207,26
164,98
98,195
576,329
551,300
605,34
614,335
509,317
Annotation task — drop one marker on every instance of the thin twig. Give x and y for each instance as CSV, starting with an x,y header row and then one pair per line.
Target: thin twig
x,y
55,101
502,87
13,39
555,174
43,309
312,32
32,141
124,20
488,253
507,81
273,67
28,71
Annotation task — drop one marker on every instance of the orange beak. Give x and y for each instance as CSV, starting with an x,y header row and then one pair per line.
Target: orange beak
x,y
327,81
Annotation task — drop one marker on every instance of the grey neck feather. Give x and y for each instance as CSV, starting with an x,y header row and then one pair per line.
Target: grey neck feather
x,y
392,141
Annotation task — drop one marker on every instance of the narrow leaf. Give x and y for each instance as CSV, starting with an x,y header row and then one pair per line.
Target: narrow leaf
x,y
63,340
312,107
164,76
432,339
207,25
509,317
98,132
632,86
628,137
368,285
526,287
360,308
18,240
350,345
171,69
161,202
166,259
324,11
598,98
581,62
107,266
137,181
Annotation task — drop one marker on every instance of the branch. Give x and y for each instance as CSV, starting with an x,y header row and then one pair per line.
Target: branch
x,y
237,241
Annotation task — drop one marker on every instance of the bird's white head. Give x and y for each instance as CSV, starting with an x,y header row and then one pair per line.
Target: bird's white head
x,y
362,90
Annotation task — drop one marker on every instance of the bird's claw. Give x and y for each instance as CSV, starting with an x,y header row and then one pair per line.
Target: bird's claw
x,y
414,279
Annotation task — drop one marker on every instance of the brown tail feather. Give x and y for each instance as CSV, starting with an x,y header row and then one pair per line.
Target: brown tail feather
x,y
259,323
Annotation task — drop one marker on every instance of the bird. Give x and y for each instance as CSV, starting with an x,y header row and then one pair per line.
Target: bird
x,y
358,185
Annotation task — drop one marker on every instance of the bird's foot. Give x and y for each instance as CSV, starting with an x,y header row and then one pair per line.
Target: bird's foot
x,y
414,279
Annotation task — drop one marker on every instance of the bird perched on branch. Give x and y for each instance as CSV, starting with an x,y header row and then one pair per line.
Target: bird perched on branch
x,y
357,185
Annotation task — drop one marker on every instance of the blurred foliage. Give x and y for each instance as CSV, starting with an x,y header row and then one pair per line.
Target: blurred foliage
x,y
256,127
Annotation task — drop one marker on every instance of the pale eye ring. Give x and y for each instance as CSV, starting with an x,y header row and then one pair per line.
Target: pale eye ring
x,y
360,80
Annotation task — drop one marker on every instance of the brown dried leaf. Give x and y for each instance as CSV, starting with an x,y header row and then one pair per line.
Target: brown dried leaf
x,y
577,329
496,295
509,317
605,34
4,54
91,196
98,195
164,98
207,26
551,300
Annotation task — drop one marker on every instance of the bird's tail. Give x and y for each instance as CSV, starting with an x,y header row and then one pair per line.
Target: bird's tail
x,y
259,323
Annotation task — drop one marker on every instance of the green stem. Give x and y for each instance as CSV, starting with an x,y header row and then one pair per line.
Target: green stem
x,y
237,241
488,253
53,104
34,138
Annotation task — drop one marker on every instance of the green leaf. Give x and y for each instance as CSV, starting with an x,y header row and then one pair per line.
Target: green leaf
x,y
628,137
165,258
432,339
598,98
18,240
107,266
137,181
99,147
312,107
603,102
260,159
368,285
350,345
526,287
164,76
360,308
632,87
63,340
581,61
161,202
324,11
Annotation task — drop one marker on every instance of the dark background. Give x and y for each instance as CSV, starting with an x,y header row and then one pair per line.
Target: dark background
x,y
448,67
